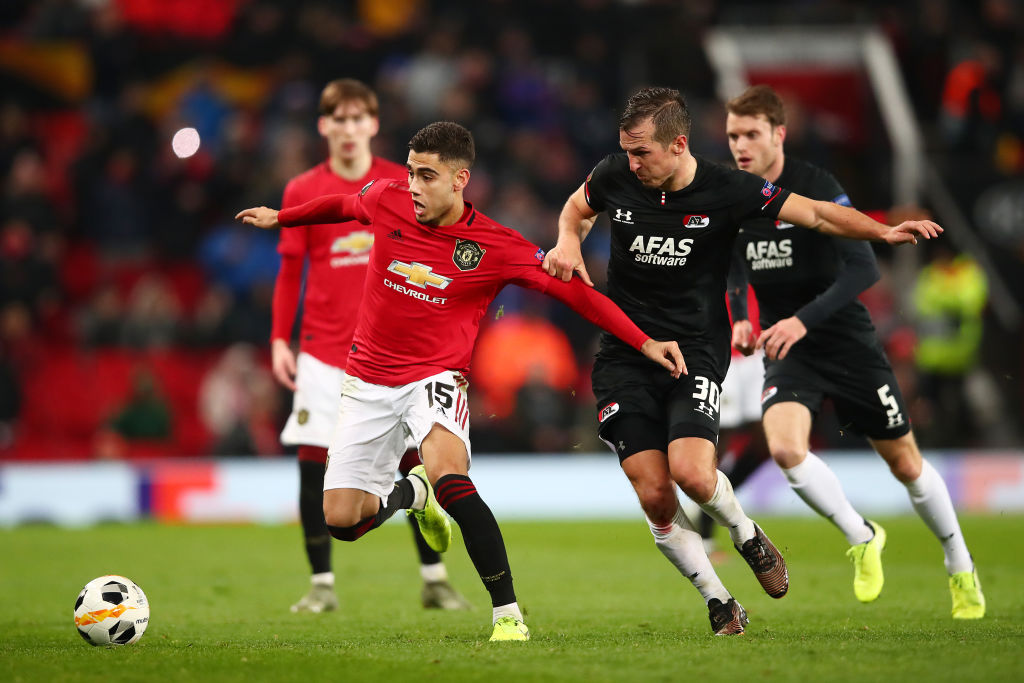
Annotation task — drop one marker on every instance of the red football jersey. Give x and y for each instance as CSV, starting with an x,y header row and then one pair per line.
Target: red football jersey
x,y
338,254
428,287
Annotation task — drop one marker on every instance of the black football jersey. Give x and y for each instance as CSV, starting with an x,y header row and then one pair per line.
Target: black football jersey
x,y
792,269
670,252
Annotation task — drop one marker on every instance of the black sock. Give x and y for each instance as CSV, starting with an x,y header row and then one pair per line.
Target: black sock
x,y
311,514
427,554
401,497
457,495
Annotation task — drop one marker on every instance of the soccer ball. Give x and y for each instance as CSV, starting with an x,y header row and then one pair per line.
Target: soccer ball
x,y
111,610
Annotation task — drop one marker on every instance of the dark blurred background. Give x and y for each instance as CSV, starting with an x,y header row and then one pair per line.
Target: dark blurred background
x,y
135,315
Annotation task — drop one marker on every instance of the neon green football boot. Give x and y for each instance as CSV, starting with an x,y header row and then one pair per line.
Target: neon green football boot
x,y
868,578
432,520
968,600
510,628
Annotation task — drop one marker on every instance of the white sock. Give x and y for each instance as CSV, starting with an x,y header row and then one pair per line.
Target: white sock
x,y
930,497
419,500
323,579
432,573
509,610
684,548
819,487
725,509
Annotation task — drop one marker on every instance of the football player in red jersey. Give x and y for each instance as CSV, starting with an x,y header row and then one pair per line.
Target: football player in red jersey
x,y
436,265
337,254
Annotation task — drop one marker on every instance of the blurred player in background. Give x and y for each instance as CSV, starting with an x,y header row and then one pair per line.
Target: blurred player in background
x,y
674,220
436,265
819,342
338,254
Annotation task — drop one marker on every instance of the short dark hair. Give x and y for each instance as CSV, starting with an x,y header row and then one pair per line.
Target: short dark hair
x,y
347,90
664,106
759,99
448,140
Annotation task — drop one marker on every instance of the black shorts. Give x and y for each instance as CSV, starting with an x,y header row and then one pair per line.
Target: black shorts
x,y
641,407
863,389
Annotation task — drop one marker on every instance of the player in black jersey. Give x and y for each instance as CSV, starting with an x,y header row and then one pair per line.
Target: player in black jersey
x,y
819,342
674,219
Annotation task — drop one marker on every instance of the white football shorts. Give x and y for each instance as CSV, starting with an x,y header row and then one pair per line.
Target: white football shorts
x,y
375,421
741,391
315,403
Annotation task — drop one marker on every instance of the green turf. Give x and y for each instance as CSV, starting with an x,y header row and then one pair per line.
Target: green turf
x,y
601,601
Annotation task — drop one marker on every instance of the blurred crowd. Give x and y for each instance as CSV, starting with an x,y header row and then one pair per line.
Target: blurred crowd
x,y
113,246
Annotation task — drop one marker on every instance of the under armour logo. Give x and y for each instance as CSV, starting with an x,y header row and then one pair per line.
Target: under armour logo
x,y
705,408
623,216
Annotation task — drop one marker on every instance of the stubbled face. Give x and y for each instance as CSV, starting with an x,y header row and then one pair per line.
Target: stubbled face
x,y
348,131
433,185
653,163
754,143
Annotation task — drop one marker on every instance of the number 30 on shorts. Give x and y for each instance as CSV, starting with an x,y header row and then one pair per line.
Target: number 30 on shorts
x,y
707,391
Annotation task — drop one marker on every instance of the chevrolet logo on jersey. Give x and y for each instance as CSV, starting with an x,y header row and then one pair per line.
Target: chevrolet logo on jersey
x,y
358,242
419,274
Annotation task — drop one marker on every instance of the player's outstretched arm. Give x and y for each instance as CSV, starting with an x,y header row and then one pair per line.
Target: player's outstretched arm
x,y
575,221
260,216
331,208
834,219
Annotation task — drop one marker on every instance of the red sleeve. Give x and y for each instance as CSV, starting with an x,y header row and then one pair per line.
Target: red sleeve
x,y
292,242
331,208
286,296
595,307
587,301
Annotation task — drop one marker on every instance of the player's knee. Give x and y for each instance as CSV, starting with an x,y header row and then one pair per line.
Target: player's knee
x,y
906,466
787,455
658,501
697,479
340,518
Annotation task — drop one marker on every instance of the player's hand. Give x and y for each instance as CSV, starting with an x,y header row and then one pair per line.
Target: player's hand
x,y
778,339
260,216
282,363
743,337
665,354
909,231
564,260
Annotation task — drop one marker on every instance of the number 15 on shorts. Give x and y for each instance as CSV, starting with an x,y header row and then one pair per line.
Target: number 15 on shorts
x,y
448,399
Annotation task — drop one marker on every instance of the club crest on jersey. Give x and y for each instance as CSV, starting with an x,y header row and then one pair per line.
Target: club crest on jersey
x,y
623,216
696,222
539,255
768,189
467,254
419,274
303,416
358,242
768,393
607,412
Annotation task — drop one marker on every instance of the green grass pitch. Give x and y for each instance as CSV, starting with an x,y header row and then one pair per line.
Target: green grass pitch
x,y
601,601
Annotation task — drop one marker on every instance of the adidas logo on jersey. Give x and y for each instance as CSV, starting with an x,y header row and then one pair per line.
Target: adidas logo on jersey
x,y
395,235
